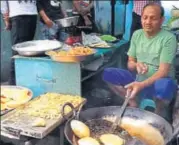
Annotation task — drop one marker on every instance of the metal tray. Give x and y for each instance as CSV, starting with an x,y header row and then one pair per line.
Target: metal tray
x,y
21,126
36,47
67,22
19,88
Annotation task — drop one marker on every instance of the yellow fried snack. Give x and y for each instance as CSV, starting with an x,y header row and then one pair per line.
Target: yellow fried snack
x,y
80,129
111,139
75,51
88,141
3,106
13,104
49,106
141,130
39,122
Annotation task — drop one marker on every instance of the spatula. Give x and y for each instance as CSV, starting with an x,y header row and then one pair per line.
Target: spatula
x,y
123,107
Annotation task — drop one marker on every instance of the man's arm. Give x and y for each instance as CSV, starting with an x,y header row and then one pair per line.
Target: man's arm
x,y
131,63
81,10
162,72
5,13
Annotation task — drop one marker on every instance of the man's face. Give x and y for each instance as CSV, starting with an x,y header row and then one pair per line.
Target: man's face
x,y
151,19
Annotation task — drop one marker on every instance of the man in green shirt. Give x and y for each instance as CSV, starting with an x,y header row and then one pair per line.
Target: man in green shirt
x,y
151,55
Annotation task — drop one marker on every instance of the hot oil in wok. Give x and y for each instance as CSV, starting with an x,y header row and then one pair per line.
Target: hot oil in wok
x,y
99,127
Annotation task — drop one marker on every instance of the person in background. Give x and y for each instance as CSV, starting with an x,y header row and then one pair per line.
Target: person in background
x,y
85,9
151,55
20,17
138,5
50,10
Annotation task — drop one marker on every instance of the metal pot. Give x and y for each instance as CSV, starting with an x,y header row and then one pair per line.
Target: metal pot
x,y
67,22
96,113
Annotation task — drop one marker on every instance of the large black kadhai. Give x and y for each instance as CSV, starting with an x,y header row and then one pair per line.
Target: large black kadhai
x,y
93,118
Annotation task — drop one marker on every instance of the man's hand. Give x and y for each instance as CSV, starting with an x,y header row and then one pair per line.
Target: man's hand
x,y
7,21
7,25
134,88
49,23
141,68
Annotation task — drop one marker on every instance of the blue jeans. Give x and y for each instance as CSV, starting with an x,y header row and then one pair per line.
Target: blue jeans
x,y
163,88
55,32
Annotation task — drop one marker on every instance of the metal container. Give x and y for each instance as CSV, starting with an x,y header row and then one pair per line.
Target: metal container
x,y
78,58
67,22
36,47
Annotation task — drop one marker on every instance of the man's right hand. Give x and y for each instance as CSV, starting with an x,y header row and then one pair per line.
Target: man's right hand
x,y
49,23
141,68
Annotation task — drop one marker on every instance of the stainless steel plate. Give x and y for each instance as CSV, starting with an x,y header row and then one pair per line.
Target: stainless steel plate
x,y
36,47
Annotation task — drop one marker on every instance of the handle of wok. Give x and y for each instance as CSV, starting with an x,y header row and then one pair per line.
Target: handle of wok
x,y
73,109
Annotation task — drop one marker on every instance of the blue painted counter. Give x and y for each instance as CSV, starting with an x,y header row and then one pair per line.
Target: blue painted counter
x,y
41,74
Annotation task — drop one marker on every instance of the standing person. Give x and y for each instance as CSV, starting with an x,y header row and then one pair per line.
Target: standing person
x,y
151,54
86,11
138,5
50,10
20,18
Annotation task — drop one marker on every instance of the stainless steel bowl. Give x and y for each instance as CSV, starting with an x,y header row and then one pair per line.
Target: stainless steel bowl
x,y
67,22
36,47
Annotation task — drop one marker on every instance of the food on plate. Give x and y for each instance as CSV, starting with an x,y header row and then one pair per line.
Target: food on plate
x,y
101,44
49,106
3,106
88,141
80,129
111,139
13,104
14,97
141,130
74,51
39,122
108,38
14,93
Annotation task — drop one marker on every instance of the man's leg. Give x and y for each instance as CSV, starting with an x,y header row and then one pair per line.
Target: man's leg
x,y
165,90
116,79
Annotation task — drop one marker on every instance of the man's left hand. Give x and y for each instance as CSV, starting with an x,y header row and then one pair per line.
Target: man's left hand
x,y
134,87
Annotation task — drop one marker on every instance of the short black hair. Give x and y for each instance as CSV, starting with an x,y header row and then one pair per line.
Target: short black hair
x,y
155,4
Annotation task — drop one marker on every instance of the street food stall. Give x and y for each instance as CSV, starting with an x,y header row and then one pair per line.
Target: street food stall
x,y
49,76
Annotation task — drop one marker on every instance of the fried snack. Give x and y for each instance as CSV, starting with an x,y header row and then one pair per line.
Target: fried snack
x,y
49,106
13,104
111,139
14,93
3,106
80,129
88,141
39,122
141,130
75,51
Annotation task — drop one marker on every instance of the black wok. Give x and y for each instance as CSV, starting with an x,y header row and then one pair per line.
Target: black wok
x,y
96,113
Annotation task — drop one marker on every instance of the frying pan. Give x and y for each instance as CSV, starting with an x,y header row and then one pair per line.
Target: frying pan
x,y
99,112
